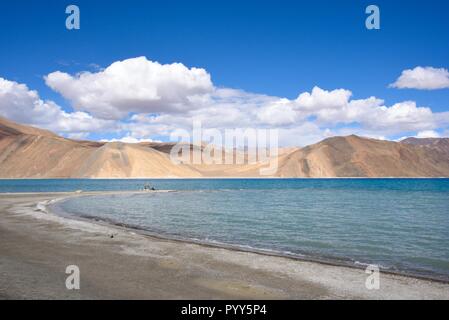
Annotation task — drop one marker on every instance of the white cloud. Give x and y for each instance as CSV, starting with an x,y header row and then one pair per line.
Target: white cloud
x,y
129,139
23,105
241,110
144,99
336,107
302,135
133,85
428,134
78,135
320,99
403,116
424,78
422,135
278,113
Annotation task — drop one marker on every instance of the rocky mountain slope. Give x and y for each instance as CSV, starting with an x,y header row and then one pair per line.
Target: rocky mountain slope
x,y
28,152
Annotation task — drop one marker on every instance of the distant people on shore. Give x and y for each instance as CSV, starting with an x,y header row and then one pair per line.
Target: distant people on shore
x,y
148,187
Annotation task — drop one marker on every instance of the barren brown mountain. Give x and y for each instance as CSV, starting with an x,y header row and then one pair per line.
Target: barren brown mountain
x,y
441,144
354,156
28,152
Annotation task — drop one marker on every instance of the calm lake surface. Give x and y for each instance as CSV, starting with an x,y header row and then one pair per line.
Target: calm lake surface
x,y
399,224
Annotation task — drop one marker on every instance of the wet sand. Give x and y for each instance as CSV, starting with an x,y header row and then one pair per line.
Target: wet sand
x,y
36,247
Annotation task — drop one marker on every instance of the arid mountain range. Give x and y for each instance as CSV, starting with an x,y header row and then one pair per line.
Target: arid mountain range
x,y
28,152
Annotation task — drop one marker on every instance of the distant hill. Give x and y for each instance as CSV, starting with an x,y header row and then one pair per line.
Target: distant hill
x,y
355,156
441,144
28,152
9,128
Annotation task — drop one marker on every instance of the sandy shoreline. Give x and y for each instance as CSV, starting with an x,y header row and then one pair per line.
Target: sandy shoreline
x,y
36,247
53,208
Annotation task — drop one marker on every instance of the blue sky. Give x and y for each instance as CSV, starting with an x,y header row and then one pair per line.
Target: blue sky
x,y
274,48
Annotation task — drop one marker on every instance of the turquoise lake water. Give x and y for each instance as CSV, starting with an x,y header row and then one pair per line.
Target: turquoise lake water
x,y
399,224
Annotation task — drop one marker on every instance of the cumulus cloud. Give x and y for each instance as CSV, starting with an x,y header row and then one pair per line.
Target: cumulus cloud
x,y
128,139
316,111
428,134
19,103
334,106
278,113
143,99
422,135
404,116
320,99
423,78
133,85
303,134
